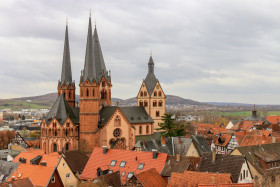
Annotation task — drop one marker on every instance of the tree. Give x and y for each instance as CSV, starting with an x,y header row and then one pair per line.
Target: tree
x,y
170,127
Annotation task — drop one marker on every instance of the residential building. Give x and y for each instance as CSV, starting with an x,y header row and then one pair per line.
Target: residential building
x,y
103,161
263,162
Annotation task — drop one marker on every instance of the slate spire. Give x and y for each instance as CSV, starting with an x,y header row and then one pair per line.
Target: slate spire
x,y
151,65
97,56
150,79
89,68
66,73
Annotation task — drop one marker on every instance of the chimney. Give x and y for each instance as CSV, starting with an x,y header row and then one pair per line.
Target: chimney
x,y
273,139
163,141
178,157
105,150
13,178
155,154
214,155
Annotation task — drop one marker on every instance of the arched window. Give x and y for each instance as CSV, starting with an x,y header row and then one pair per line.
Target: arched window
x,y
117,133
147,129
69,95
145,103
67,146
93,92
117,121
54,147
140,130
55,133
141,93
159,93
81,93
103,83
160,103
154,103
64,94
155,93
103,94
66,132
145,93
141,103
157,114
87,92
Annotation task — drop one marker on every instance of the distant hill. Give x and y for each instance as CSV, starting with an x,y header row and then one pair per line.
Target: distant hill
x,y
47,100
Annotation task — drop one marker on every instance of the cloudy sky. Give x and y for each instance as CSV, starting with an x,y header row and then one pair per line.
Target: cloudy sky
x,y
205,50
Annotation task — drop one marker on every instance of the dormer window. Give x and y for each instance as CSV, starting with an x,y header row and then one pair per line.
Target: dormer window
x,y
122,164
141,166
123,173
113,163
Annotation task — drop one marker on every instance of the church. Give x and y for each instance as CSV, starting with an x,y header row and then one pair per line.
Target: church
x,y
93,121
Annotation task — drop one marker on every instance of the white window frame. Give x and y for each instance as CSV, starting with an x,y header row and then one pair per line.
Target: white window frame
x,y
68,177
53,179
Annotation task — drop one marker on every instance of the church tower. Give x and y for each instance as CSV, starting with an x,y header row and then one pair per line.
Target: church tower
x,y
95,92
65,84
151,96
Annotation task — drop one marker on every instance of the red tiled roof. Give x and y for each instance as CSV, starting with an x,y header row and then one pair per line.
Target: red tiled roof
x,y
225,138
151,178
245,125
132,158
26,182
37,151
39,175
228,185
273,119
51,159
190,178
33,143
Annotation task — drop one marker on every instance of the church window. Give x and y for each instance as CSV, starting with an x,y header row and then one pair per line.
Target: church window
x,y
54,125
113,163
145,103
117,121
157,114
67,146
155,93
159,93
117,133
122,164
141,93
160,103
123,140
64,94
55,133
93,92
103,83
145,93
87,92
154,103
103,94
147,129
69,95
140,130
81,93
141,103
54,147
67,124
66,132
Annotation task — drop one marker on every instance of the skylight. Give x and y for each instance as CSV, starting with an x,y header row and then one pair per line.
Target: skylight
x,y
130,174
123,173
122,164
141,166
113,163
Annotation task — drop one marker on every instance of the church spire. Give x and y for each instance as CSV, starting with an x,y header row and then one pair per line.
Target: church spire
x,y
89,68
151,65
98,57
66,73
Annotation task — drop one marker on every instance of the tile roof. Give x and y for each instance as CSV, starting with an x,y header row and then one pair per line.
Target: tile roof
x,y
223,164
76,160
6,169
252,153
151,178
273,119
150,80
112,179
200,144
132,158
52,159
223,140
245,125
39,175
26,182
228,185
184,164
190,178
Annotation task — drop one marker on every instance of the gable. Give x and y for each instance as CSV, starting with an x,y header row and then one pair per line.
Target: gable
x,y
142,90
158,89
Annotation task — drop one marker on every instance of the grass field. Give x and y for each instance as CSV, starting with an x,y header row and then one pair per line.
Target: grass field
x,y
246,113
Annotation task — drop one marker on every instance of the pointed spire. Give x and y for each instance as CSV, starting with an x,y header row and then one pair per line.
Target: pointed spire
x,y
97,56
89,68
151,65
150,79
66,73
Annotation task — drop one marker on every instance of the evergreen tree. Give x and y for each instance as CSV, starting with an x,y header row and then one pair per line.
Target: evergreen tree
x,y
170,127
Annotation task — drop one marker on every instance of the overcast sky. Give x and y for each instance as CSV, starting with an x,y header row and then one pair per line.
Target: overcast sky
x,y
212,50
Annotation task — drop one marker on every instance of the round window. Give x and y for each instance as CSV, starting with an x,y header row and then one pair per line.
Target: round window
x,y
117,133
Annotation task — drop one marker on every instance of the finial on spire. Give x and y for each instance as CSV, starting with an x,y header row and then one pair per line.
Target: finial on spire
x,y
66,20
95,23
89,12
151,54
